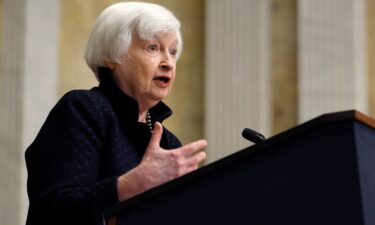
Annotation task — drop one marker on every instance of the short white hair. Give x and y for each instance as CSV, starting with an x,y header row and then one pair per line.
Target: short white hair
x,y
112,33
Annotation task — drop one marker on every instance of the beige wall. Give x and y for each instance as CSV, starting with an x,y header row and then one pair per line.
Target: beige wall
x,y
1,35
371,54
284,64
186,100
76,20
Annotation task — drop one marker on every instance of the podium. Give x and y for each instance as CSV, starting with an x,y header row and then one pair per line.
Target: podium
x,y
319,173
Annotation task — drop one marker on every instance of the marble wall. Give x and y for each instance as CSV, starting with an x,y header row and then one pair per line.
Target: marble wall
x,y
332,54
237,73
1,27
27,93
76,20
284,40
11,164
284,64
371,54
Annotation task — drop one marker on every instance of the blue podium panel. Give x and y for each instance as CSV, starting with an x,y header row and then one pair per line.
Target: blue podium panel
x,y
321,172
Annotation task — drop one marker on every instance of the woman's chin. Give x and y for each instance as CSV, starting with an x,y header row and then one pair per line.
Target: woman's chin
x,y
161,94
154,98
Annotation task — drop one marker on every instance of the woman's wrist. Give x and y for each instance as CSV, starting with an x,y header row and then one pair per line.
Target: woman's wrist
x,y
129,185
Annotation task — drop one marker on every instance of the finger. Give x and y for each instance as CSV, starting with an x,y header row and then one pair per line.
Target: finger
x,y
156,135
196,159
201,156
193,147
193,163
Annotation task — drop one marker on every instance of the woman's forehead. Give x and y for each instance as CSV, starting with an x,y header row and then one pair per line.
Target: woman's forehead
x,y
169,36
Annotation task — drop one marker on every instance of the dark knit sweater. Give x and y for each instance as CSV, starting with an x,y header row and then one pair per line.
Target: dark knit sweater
x,y
89,139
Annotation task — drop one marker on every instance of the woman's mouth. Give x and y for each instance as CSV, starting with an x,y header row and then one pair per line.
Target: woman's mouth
x,y
162,81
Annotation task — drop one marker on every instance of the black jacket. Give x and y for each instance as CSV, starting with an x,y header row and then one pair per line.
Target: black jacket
x,y
89,139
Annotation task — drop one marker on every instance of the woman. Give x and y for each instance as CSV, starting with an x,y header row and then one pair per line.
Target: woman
x,y
102,146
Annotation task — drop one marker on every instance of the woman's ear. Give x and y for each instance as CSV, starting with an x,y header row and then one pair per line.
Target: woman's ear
x,y
111,65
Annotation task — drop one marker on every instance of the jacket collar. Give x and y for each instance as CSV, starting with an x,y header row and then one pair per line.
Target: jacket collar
x,y
126,106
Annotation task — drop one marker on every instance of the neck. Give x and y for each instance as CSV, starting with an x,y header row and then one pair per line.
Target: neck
x,y
143,109
142,116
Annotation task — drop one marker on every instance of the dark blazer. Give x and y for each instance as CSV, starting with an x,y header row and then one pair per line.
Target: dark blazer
x,y
89,139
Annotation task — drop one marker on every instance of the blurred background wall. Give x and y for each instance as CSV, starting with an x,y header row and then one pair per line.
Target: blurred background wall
x,y
264,64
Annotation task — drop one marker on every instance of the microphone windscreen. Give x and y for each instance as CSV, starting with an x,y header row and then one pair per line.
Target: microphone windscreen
x,y
252,135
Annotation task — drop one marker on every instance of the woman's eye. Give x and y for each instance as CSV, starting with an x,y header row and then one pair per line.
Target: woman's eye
x,y
152,48
173,51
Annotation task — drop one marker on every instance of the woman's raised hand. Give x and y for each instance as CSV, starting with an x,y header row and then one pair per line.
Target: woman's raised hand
x,y
159,165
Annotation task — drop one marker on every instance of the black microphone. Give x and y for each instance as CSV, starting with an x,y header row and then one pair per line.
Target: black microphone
x,y
252,135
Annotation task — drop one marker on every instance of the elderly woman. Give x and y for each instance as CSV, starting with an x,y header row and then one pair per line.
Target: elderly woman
x,y
105,145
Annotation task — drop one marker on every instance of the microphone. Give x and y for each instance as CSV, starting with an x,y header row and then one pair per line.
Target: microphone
x,y
252,135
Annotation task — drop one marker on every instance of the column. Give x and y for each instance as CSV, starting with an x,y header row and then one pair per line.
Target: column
x,y
27,93
371,54
237,93
332,57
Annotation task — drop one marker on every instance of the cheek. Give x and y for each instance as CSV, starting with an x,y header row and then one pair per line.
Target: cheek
x,y
149,68
174,74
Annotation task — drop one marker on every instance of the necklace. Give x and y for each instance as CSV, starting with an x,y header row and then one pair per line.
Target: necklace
x,y
148,122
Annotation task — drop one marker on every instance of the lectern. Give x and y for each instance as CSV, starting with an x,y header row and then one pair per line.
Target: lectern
x,y
319,173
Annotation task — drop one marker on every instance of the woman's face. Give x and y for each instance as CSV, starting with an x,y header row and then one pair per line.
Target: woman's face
x,y
148,70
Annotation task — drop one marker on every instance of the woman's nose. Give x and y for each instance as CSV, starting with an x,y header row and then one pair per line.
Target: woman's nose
x,y
167,63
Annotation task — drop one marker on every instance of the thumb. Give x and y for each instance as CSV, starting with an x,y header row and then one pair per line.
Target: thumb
x,y
156,135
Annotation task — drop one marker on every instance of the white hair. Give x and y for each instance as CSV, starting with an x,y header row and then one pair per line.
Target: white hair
x,y
112,33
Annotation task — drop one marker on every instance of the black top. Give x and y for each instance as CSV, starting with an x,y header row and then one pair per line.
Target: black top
x,y
89,139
